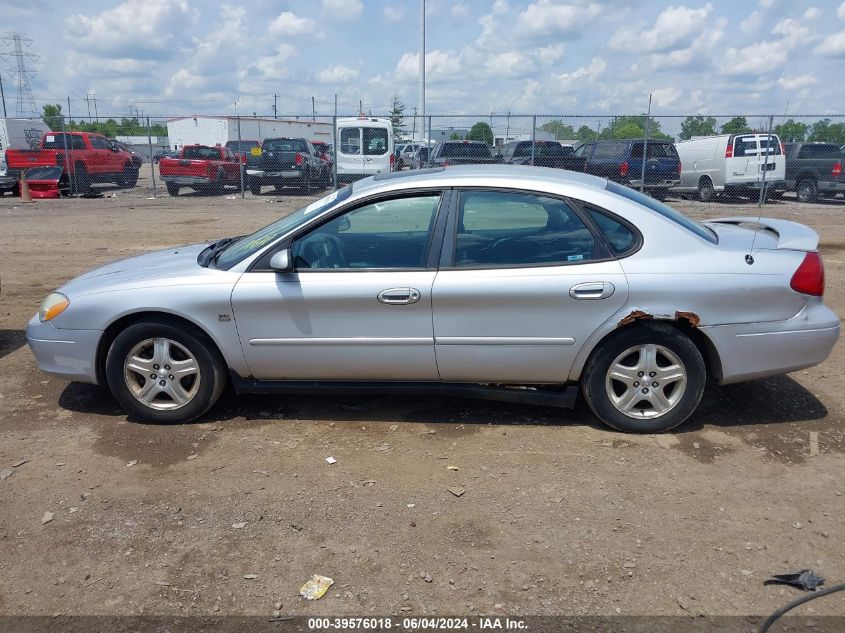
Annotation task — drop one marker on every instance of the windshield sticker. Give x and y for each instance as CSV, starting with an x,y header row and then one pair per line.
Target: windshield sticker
x,y
574,258
51,138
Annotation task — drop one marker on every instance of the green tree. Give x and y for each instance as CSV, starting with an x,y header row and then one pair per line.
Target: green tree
x,y
737,125
454,136
397,112
626,127
792,131
586,133
697,126
481,131
559,129
52,116
828,132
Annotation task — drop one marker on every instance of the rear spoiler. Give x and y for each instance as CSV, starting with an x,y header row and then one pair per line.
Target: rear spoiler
x,y
791,235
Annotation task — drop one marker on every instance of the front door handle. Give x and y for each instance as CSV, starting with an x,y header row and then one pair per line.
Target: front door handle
x,y
592,290
399,296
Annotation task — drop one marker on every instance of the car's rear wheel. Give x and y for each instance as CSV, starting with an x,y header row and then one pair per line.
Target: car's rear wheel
x,y
162,373
645,379
706,192
255,188
807,190
172,188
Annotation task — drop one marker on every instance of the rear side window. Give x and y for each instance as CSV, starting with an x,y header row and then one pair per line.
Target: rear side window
x,y
610,150
286,145
665,210
655,150
375,141
620,238
745,146
502,229
820,151
772,144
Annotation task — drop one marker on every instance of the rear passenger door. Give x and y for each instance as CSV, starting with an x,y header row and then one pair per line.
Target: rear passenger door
x,y
522,283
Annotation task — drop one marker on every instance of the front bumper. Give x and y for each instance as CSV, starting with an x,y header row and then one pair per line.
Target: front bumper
x,y
68,354
755,350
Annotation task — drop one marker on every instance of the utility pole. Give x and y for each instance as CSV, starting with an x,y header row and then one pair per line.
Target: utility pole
x,y
88,101
275,106
3,96
313,110
422,65
360,107
19,43
70,122
94,99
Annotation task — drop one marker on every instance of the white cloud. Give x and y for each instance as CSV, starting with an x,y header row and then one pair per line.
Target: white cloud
x,y
758,58
752,23
797,82
767,4
674,27
568,81
500,7
459,10
841,11
289,24
144,28
546,18
832,45
393,14
274,66
812,13
438,65
665,97
337,74
699,54
509,64
550,54
343,9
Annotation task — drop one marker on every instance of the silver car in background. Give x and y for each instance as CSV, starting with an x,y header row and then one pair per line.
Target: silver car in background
x,y
508,282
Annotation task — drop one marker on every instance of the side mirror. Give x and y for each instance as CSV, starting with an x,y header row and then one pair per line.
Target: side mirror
x,y
281,262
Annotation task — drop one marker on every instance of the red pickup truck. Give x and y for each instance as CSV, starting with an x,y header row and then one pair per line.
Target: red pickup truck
x,y
202,168
88,158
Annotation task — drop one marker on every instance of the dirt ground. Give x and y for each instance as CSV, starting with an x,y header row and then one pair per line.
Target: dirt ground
x,y
231,514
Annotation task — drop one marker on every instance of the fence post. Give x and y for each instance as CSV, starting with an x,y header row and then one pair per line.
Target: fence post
x,y
152,162
241,157
428,141
71,177
645,143
533,137
762,199
334,146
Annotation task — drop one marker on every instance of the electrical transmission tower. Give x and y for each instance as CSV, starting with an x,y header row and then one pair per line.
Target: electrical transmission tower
x,y
15,49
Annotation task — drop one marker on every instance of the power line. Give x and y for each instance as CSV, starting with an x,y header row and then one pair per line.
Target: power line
x,y
25,105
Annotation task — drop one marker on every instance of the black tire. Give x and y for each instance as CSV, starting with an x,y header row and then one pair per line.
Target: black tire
x,y
306,183
216,188
807,190
706,192
81,179
254,187
206,385
659,194
129,177
596,384
172,188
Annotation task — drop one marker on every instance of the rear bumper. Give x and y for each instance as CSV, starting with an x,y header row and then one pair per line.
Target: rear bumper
x,y
823,185
660,184
187,181
68,354
282,176
754,350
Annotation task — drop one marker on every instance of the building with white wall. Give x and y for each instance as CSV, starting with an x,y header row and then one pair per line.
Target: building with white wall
x,y
217,130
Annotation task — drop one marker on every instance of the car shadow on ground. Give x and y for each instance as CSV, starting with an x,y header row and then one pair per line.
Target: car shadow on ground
x,y
766,401
11,340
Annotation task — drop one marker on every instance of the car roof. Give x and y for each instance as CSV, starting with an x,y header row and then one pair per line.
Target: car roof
x,y
501,176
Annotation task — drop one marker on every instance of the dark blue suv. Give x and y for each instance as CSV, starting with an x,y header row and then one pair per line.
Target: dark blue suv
x,y
622,162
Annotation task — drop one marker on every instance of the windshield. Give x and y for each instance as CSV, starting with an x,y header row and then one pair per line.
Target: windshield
x,y
241,249
663,209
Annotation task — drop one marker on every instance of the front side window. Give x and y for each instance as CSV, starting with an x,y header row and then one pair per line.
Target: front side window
x,y
387,234
375,141
350,140
498,229
98,142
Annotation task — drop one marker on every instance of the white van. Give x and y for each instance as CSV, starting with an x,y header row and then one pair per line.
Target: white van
x,y
730,163
364,147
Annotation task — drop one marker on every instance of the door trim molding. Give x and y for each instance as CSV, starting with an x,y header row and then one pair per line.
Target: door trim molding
x,y
502,340
344,341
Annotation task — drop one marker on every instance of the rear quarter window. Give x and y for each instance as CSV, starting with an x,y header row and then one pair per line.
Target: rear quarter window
x,y
820,151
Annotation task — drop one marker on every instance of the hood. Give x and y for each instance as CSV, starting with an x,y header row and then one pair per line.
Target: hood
x,y
165,267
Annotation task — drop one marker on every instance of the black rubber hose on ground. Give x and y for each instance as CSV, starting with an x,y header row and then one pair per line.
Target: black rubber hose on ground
x,y
799,601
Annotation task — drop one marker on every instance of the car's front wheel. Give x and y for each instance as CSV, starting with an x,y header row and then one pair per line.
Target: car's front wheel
x,y
163,373
645,379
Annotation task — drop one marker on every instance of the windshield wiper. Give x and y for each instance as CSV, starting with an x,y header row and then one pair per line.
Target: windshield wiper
x,y
212,251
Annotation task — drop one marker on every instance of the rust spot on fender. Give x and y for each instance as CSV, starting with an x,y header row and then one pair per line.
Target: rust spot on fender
x,y
690,317
635,315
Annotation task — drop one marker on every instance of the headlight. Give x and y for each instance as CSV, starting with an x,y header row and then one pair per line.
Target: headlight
x,y
53,306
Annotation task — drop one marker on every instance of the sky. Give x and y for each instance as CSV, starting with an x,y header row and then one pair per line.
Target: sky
x,y
171,57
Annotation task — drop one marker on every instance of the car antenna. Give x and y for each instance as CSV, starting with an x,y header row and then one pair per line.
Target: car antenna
x,y
749,258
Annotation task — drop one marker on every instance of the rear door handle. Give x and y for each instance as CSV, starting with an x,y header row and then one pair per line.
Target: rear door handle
x,y
399,296
592,290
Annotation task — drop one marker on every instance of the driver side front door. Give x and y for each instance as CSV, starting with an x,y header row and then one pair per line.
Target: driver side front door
x,y
357,305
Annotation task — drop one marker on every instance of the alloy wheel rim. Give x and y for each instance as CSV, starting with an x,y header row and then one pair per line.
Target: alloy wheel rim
x,y
161,374
646,382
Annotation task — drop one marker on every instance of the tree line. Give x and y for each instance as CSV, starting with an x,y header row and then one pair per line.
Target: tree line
x,y
56,121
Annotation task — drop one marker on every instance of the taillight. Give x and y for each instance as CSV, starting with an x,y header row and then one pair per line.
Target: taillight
x,y
298,159
445,163
809,278
623,168
729,151
837,170
679,168
782,152
392,161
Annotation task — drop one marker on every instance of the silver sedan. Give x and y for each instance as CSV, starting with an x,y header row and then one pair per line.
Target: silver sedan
x,y
513,283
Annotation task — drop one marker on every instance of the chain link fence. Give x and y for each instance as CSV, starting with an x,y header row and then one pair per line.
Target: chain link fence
x,y
755,159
